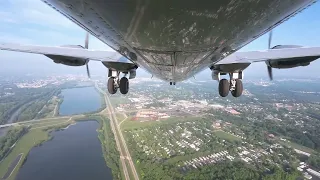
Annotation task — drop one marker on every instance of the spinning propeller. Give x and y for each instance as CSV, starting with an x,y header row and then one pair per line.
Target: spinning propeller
x,y
269,67
86,46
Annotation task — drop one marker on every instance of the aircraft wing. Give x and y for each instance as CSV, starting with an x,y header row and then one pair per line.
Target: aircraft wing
x,y
286,54
74,52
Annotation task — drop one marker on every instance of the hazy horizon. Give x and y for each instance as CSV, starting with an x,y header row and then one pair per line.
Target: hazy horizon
x,y
33,22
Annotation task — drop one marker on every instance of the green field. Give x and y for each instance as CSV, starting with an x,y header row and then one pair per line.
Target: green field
x,y
132,124
24,145
46,122
120,117
116,100
297,146
226,136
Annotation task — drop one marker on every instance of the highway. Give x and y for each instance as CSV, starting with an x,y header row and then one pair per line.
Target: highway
x,y
114,119
124,155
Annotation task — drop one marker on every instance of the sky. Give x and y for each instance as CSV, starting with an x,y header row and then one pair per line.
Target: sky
x,y
33,22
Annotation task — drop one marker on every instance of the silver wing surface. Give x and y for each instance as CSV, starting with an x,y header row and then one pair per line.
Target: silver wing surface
x,y
71,52
286,54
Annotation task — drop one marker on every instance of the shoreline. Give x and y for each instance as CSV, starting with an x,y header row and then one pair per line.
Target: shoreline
x,y
11,168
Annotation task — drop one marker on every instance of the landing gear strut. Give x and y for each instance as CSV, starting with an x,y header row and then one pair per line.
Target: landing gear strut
x,y
234,85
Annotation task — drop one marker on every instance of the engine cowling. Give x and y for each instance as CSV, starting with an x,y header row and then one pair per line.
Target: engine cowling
x,y
69,61
290,62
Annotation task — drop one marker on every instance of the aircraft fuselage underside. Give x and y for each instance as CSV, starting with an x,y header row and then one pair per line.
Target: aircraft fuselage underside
x,y
173,40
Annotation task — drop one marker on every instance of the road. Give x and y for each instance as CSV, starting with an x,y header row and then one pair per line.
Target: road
x,y
103,112
36,120
124,155
115,121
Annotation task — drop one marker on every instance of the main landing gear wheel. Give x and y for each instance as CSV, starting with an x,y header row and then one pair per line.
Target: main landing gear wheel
x,y
112,85
237,91
124,85
224,87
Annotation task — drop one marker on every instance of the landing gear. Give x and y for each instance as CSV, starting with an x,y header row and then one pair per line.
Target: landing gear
x,y
115,83
234,85
124,85
172,83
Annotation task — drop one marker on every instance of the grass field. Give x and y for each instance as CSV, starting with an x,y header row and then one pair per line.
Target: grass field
x,y
44,123
120,117
116,100
24,145
226,136
130,124
297,146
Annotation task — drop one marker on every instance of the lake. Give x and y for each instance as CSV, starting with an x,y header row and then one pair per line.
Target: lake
x,y
79,100
73,153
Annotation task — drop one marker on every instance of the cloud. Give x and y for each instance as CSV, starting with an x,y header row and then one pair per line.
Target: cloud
x,y
33,22
33,12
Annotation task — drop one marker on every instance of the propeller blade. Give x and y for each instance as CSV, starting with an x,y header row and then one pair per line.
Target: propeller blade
x,y
86,43
270,73
88,71
270,39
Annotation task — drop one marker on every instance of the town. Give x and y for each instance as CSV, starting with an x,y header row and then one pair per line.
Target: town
x,y
187,130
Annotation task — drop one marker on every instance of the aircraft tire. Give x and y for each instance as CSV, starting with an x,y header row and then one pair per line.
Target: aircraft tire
x,y
238,89
124,85
224,87
111,86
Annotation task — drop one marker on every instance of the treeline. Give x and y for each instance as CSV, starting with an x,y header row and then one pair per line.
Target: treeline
x,y
32,111
237,170
28,101
314,161
109,147
9,139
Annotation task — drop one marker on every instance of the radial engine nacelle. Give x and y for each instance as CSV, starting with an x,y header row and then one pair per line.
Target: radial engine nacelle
x,y
69,61
290,62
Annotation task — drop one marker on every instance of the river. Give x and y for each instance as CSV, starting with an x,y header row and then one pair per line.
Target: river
x,y
79,100
73,153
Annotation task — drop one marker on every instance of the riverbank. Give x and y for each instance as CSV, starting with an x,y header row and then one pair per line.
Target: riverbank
x,y
40,134
23,146
108,144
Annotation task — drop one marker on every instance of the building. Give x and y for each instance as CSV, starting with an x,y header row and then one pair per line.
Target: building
x,y
302,152
313,172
